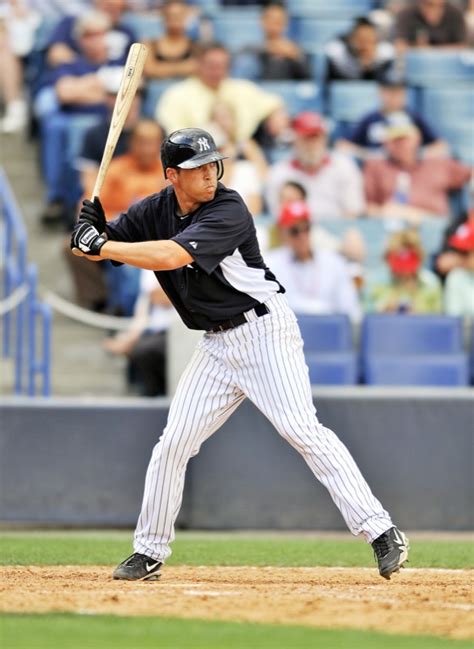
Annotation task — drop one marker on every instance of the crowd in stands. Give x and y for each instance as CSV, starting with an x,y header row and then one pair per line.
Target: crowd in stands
x,y
342,206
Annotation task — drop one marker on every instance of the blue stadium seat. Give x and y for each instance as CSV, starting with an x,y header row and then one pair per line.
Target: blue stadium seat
x,y
348,101
153,92
449,105
413,350
328,349
431,67
461,140
297,95
237,30
339,368
429,370
411,334
145,26
325,333
325,8
316,32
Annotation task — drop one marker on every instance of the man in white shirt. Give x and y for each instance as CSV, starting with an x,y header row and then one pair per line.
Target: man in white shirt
x,y
316,282
333,181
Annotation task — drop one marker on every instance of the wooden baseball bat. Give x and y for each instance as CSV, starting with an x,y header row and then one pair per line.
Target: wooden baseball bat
x,y
128,87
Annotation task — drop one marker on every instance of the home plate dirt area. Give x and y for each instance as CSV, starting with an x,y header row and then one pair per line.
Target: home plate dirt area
x,y
421,601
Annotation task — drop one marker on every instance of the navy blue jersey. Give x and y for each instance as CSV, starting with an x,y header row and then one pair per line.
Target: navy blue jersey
x,y
228,275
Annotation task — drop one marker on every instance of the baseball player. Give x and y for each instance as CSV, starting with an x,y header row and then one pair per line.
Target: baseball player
x,y
200,240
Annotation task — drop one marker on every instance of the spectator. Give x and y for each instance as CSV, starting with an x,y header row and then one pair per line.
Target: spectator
x,y
351,245
64,46
410,288
448,257
367,138
459,287
90,156
239,173
224,123
190,102
332,181
278,57
316,281
405,186
77,88
358,55
430,23
18,24
130,177
135,174
145,342
173,53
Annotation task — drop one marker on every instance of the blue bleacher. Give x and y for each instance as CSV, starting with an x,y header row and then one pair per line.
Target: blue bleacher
x,y
348,101
238,29
145,26
298,95
314,33
448,105
413,350
426,67
433,370
328,349
320,8
461,140
154,90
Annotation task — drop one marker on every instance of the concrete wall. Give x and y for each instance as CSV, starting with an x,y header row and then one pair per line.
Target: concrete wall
x,y
83,462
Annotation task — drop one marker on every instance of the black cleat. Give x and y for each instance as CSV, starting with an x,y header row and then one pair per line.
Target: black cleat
x,y
138,567
391,551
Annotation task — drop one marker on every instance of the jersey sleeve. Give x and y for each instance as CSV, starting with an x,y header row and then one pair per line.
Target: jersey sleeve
x,y
216,234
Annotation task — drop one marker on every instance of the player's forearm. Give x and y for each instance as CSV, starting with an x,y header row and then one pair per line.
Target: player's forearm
x,y
150,255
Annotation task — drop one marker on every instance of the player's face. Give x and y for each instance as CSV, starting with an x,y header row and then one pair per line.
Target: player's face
x,y
194,186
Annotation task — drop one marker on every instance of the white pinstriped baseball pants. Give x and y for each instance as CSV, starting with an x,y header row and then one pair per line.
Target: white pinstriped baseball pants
x,y
262,360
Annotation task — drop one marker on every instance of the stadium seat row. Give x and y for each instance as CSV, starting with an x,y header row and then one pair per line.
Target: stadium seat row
x,y
394,350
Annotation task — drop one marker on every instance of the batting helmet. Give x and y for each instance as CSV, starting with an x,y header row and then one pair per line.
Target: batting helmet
x,y
189,148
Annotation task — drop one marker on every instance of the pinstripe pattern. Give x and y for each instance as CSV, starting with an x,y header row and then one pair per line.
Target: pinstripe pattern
x,y
264,361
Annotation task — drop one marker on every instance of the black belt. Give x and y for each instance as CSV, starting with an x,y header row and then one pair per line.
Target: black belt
x,y
237,320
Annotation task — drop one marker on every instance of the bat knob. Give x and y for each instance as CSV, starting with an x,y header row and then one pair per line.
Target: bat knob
x,y
77,252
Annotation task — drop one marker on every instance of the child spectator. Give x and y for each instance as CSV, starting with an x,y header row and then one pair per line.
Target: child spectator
x,y
410,288
358,55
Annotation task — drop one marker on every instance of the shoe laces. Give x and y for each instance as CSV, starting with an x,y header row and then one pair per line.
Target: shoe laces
x,y
382,546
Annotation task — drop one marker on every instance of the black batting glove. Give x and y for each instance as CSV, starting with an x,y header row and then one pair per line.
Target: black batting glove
x,y
93,213
87,238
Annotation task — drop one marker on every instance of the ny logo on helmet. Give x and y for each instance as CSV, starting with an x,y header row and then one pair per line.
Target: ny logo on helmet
x,y
203,144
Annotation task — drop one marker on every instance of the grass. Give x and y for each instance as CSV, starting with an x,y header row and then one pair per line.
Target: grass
x,y
107,632
73,631
109,548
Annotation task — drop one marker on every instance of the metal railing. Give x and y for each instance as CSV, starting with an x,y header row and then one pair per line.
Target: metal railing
x,y
24,316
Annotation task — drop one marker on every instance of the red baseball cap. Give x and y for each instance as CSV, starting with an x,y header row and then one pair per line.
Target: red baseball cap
x,y
293,213
308,123
463,237
404,261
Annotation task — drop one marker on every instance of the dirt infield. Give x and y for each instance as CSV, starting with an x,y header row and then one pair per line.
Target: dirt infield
x,y
436,602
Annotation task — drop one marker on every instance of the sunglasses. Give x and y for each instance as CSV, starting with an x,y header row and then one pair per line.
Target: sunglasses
x,y
295,230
